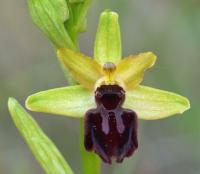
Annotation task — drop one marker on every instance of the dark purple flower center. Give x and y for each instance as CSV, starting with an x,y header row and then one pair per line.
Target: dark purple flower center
x,y
109,96
110,130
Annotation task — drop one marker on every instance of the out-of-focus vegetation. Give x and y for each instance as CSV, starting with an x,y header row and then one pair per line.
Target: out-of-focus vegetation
x,y
171,29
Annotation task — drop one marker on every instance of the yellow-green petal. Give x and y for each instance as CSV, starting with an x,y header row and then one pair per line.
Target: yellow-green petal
x,y
108,39
151,104
72,101
42,147
84,69
131,70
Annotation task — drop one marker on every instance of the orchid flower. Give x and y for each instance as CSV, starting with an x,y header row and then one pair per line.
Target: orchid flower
x,y
109,96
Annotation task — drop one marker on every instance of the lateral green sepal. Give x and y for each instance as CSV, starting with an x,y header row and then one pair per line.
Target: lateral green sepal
x,y
72,101
152,104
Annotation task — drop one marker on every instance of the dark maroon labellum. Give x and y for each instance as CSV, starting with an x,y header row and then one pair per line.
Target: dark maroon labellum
x,y
110,130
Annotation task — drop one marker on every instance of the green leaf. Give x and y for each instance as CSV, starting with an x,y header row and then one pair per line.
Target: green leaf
x,y
131,70
49,16
108,39
71,101
42,147
84,69
152,104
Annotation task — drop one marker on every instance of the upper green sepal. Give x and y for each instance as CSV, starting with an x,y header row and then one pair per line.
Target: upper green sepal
x,y
42,147
49,16
152,104
108,39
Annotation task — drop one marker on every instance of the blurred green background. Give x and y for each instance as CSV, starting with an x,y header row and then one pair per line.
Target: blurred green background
x,y
169,28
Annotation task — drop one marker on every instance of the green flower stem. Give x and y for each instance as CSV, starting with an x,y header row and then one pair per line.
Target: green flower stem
x,y
67,75
91,163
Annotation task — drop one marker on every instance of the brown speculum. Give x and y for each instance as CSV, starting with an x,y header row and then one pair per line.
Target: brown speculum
x,y
110,130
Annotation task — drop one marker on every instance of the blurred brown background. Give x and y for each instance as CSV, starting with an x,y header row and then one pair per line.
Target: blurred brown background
x,y
169,28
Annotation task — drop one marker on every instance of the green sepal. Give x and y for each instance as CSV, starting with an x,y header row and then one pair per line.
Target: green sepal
x,y
42,147
108,39
49,16
72,101
151,104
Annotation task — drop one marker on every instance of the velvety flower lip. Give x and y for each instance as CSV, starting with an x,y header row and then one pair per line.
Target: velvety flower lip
x,y
109,97
110,130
